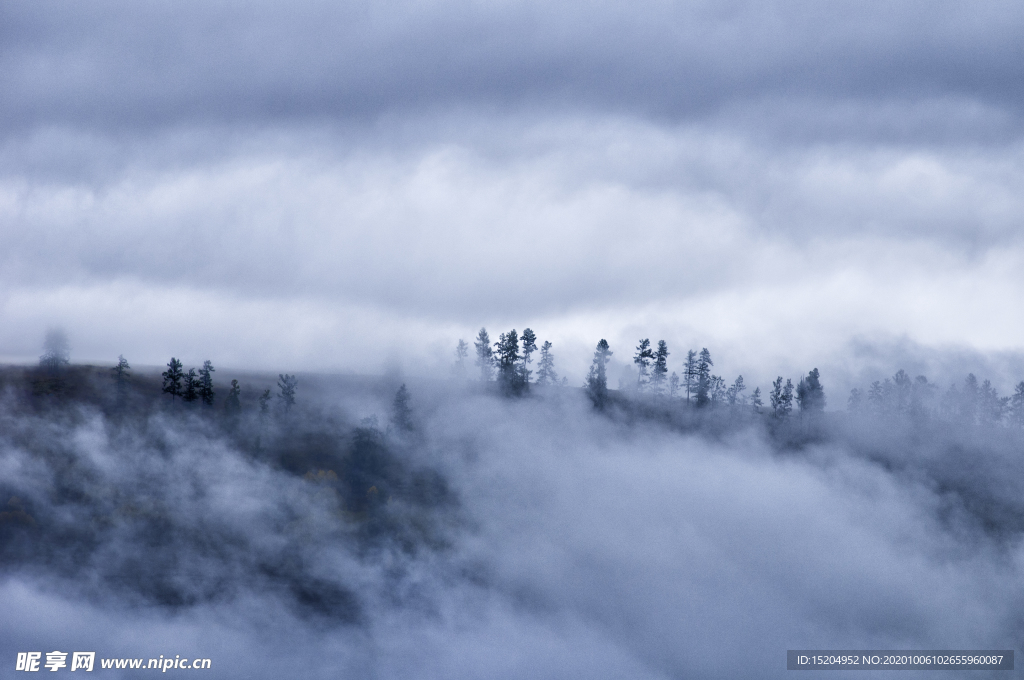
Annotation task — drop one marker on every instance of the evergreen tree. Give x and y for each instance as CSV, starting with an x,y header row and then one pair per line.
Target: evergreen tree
x,y
546,366
232,405
781,397
122,373
484,355
704,365
172,378
856,401
401,413
56,351
690,374
206,392
755,401
506,356
1017,405
529,340
717,390
673,385
659,370
643,358
190,392
597,378
461,352
991,407
734,395
810,395
264,402
286,385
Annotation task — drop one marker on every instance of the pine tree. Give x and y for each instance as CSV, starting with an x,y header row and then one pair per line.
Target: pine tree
x,y
717,390
690,374
810,395
206,392
529,340
546,366
659,370
56,351
755,401
506,357
190,392
781,397
643,358
855,402
597,378
286,385
461,352
122,374
172,378
232,405
484,355
734,395
264,402
401,413
704,365
1017,405
673,385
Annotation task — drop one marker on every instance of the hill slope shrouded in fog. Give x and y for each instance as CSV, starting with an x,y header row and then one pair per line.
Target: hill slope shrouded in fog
x,y
478,535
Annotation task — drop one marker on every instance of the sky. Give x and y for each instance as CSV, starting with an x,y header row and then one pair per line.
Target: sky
x,y
354,186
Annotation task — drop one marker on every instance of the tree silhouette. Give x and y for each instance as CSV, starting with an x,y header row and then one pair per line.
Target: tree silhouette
x,y
484,355
286,385
659,369
703,371
461,352
546,366
529,340
506,357
643,358
206,392
401,413
122,374
232,405
190,392
810,395
56,351
597,378
172,378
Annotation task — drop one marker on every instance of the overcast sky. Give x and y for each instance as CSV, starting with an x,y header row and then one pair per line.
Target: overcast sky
x,y
356,186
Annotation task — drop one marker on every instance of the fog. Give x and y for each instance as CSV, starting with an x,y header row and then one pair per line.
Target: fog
x,y
529,537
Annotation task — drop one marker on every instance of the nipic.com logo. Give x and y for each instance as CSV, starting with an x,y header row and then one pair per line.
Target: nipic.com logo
x,y
32,662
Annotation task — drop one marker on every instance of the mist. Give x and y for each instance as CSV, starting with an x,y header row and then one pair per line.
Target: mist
x,y
496,536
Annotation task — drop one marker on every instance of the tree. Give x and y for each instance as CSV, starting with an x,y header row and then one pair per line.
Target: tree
x,y
810,395
122,373
1017,405
206,392
659,370
717,390
506,357
401,414
673,385
597,378
232,405
546,366
855,402
56,351
190,392
781,397
286,385
734,395
991,407
704,365
755,401
172,378
529,340
690,374
643,358
461,352
264,402
484,355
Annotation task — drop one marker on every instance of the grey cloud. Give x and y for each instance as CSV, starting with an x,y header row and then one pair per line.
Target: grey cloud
x,y
115,66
